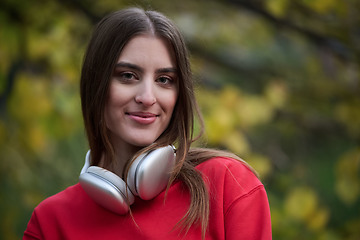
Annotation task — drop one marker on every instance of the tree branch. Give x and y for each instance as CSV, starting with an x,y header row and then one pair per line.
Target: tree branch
x,y
334,45
10,82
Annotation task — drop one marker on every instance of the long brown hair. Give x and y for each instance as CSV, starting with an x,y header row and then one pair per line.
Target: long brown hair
x,y
108,39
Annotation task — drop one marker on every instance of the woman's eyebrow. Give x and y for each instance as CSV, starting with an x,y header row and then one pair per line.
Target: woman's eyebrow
x,y
167,70
129,65
140,69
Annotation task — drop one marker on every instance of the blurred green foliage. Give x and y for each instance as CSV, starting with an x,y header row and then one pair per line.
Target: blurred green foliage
x,y
278,84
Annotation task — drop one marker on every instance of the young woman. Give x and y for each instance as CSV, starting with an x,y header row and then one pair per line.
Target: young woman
x,y
137,99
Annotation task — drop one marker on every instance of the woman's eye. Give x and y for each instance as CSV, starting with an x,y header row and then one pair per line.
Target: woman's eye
x,y
125,76
165,80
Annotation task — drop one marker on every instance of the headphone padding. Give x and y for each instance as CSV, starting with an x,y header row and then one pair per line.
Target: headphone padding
x,y
107,189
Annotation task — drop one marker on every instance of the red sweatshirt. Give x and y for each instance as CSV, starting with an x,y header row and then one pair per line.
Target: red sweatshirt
x,y
239,209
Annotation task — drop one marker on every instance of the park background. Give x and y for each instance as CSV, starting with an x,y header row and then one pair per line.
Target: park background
x,y
277,81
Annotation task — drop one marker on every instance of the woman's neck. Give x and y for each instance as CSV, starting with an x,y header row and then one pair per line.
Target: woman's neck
x,y
123,154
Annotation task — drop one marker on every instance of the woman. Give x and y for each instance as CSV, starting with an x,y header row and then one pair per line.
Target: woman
x,y
137,98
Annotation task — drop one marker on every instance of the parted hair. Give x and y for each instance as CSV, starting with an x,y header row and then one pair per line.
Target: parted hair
x,y
109,38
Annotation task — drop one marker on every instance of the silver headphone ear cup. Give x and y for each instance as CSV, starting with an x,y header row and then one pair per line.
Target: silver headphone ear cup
x,y
150,173
131,177
107,189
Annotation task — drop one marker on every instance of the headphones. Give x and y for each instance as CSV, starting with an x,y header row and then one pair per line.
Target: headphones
x,y
147,177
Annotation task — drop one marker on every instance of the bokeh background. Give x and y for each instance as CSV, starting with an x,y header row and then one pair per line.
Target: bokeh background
x,y
278,82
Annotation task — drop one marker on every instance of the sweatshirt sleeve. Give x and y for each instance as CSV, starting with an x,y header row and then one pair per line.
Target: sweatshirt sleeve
x,y
248,217
32,231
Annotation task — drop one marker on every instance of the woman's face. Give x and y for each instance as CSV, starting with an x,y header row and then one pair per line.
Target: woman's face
x,y
143,92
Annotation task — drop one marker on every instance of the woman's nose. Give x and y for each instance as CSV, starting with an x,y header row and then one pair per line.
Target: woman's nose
x,y
145,94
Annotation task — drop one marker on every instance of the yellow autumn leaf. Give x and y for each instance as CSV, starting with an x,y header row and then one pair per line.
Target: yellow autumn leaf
x,y
276,94
321,6
261,164
39,45
218,125
277,7
236,142
224,118
347,190
31,199
347,185
328,235
276,217
318,219
301,203
349,114
207,100
229,97
30,99
254,110
36,138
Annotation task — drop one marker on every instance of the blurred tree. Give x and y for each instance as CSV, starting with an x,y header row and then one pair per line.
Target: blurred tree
x,y
278,85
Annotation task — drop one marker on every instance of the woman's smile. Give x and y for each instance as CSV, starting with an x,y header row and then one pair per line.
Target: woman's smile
x,y
142,117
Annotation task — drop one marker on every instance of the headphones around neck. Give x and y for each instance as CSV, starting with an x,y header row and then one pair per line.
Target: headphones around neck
x,y
148,176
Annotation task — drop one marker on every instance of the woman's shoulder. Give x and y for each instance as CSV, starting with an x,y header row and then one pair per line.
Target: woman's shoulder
x,y
69,196
225,164
213,158
229,173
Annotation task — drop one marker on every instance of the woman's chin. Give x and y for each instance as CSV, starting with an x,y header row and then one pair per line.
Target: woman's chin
x,y
143,143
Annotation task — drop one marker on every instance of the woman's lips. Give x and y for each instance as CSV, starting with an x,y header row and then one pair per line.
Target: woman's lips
x,y
142,117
